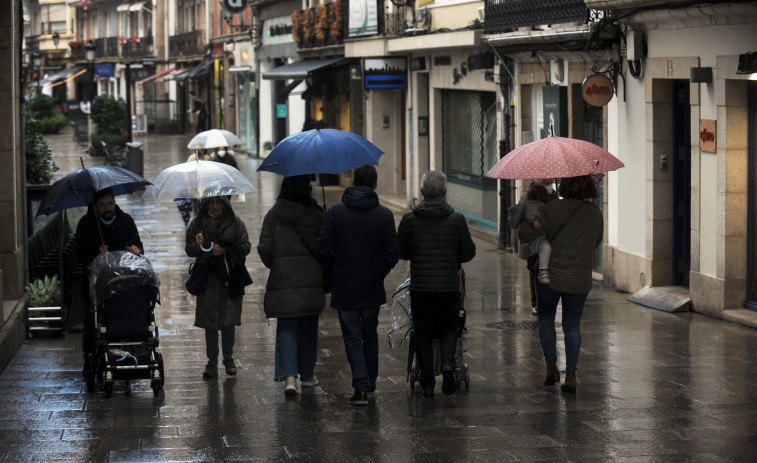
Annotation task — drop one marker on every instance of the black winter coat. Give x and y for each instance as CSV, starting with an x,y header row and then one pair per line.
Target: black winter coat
x,y
436,240
119,234
358,243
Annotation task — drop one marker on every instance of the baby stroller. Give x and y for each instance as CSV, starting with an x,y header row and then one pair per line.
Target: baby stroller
x,y
124,289
402,329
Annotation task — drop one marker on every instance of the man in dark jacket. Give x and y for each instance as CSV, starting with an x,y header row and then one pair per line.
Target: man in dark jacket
x,y
358,243
116,232
437,241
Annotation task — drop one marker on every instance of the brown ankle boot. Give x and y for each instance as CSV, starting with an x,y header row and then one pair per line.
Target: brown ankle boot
x,y
553,374
570,382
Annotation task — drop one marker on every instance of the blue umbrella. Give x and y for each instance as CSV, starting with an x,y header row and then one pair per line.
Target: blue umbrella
x,y
77,188
320,151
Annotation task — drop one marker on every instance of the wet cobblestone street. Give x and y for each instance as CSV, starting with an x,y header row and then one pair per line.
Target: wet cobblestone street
x,y
652,386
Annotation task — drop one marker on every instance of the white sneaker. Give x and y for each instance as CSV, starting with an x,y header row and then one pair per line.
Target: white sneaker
x,y
309,383
291,386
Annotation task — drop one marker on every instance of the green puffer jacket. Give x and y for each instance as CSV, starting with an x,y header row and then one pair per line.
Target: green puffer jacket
x,y
436,240
572,257
295,284
216,309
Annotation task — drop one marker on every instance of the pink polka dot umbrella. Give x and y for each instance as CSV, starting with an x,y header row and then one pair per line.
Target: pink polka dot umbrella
x,y
554,157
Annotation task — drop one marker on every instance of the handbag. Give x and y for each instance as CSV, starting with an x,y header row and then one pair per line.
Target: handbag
x,y
326,283
197,282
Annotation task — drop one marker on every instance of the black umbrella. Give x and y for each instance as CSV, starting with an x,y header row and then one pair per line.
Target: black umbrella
x,y
77,188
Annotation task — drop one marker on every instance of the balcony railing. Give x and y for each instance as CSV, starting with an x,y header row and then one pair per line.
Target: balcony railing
x,y
107,47
137,49
187,44
32,43
506,15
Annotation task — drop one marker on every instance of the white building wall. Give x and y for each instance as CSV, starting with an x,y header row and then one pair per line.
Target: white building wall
x,y
627,132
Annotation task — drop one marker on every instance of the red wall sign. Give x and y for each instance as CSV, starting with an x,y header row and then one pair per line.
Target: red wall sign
x,y
708,141
597,90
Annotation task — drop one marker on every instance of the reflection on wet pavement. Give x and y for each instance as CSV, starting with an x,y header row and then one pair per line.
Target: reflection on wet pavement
x,y
653,386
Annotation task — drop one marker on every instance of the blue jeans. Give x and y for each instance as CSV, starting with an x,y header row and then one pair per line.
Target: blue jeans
x,y
211,344
572,309
435,316
361,345
296,347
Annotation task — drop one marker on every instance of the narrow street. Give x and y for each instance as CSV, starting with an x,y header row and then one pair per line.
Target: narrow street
x,y
647,388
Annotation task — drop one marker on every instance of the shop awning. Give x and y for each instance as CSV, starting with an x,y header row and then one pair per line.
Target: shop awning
x,y
63,73
136,6
299,69
240,69
124,7
155,76
172,75
195,71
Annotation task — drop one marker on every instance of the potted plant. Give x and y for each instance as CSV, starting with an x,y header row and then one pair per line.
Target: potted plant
x,y
308,27
110,117
321,23
335,20
267,147
297,26
44,311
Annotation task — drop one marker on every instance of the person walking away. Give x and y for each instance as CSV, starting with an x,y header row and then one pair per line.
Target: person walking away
x,y
105,227
358,244
294,291
218,237
574,227
530,211
436,241
523,251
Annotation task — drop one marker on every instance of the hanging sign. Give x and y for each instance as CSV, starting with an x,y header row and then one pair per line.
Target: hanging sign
x,y
597,90
708,142
234,6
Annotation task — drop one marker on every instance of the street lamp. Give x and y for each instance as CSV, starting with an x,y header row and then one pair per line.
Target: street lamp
x,y
56,39
89,50
37,59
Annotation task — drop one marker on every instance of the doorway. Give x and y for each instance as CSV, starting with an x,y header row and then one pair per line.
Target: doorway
x,y
751,302
681,165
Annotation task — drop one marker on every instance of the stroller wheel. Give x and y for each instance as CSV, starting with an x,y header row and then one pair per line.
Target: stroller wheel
x,y
127,387
467,376
108,388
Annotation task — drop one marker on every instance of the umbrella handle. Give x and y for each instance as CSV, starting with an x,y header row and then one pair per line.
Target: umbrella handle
x,y
208,249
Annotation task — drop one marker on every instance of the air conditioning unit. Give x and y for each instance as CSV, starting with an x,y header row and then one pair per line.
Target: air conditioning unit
x,y
423,18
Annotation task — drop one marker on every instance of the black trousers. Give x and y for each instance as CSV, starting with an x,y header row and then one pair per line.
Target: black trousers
x,y
435,316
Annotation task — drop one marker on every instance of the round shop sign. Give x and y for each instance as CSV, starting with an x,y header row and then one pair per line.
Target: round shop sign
x,y
234,6
597,90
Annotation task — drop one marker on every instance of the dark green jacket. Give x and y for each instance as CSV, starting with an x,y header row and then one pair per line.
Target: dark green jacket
x,y
437,241
295,284
573,248
217,309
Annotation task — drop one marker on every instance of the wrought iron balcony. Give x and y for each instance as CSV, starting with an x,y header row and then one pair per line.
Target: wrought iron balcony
x,y
139,48
32,43
506,15
187,44
107,47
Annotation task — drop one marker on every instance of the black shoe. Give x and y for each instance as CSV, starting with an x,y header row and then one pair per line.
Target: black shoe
x,y
448,385
359,398
428,393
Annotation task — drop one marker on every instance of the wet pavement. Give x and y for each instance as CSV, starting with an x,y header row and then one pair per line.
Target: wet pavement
x,y
652,386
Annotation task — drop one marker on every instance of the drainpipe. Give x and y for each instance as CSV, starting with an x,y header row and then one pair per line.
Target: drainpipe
x,y
505,145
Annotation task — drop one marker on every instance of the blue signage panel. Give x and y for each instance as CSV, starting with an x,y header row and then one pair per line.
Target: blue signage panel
x,y
281,111
105,70
385,73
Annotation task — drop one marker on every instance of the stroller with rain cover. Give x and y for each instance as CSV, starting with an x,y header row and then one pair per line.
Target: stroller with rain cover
x,y
402,329
124,290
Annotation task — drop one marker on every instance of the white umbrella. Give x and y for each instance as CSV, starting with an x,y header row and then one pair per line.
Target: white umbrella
x,y
213,138
198,179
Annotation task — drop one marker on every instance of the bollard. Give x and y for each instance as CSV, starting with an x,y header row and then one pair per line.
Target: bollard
x,y
135,158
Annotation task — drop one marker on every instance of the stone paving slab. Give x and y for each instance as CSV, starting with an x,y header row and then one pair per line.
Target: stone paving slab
x,y
653,386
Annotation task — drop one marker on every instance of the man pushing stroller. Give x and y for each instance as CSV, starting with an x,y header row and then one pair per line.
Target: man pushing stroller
x,y
436,241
